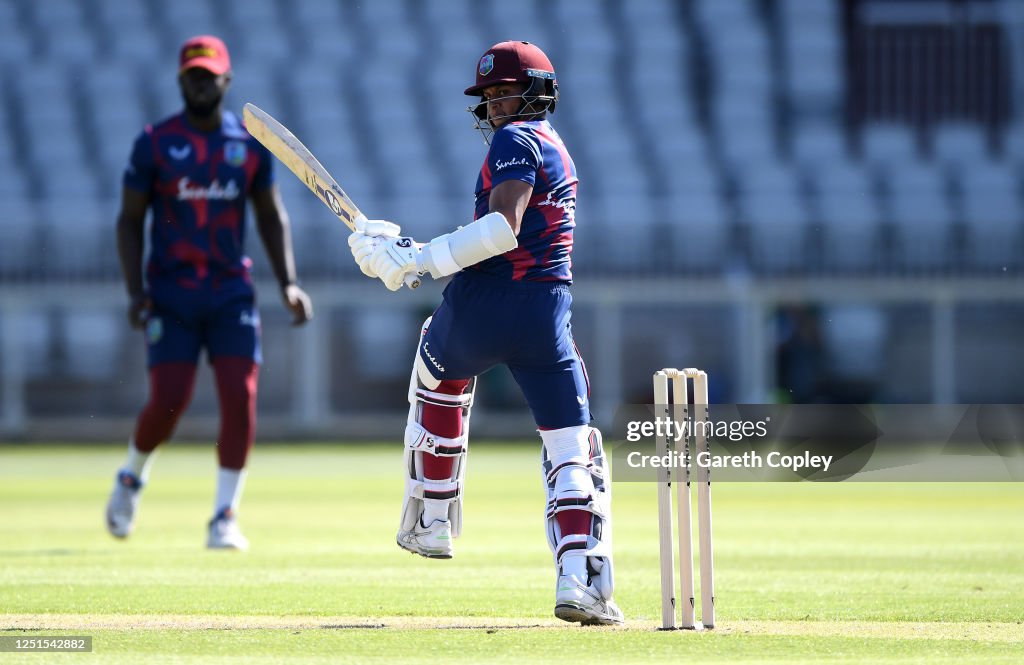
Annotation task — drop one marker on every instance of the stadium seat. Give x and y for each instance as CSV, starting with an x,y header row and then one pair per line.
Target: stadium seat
x,y
15,44
888,145
745,142
701,230
808,10
958,146
654,12
681,151
851,238
849,217
131,38
521,19
922,216
812,52
993,216
721,14
447,13
632,228
181,20
257,87
776,217
818,144
582,14
90,355
36,328
777,224
21,240
1013,144
77,244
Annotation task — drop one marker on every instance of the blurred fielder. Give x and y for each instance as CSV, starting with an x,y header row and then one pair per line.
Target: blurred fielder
x,y
195,170
508,303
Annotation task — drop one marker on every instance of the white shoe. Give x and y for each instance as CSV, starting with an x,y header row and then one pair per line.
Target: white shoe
x,y
124,501
579,602
225,533
433,542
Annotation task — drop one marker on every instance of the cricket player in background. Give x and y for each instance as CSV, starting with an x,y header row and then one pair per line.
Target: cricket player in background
x,y
195,170
509,302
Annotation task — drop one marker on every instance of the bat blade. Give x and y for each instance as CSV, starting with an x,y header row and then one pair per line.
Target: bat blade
x,y
276,138
284,145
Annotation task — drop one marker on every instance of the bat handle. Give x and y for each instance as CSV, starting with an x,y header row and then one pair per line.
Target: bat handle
x,y
412,281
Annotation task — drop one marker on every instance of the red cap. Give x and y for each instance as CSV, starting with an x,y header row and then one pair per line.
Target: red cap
x,y
510,62
205,51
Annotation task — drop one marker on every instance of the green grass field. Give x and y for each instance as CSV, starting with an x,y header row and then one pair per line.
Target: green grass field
x,y
851,573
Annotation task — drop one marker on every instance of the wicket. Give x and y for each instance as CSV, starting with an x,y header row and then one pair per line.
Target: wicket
x,y
674,404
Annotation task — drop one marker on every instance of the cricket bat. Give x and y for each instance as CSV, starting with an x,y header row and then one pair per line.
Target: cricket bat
x,y
276,138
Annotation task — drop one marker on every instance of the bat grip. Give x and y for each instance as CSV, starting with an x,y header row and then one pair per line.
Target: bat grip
x,y
412,281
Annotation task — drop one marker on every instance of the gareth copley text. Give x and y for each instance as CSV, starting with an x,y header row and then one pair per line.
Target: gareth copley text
x,y
748,460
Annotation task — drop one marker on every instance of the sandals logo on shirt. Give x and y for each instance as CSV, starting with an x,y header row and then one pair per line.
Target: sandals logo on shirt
x,y
499,165
235,153
486,64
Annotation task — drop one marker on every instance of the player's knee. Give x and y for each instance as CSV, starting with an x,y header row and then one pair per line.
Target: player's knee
x,y
236,382
170,389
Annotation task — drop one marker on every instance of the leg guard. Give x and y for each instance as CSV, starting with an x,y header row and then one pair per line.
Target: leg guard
x,y
580,447
420,442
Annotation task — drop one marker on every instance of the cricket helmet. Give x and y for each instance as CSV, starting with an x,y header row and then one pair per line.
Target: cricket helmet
x,y
514,62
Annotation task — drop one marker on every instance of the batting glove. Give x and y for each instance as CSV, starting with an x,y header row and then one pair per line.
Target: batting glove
x,y
369,234
393,259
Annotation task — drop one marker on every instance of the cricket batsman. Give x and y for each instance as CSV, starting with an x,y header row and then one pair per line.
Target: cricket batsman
x,y
508,303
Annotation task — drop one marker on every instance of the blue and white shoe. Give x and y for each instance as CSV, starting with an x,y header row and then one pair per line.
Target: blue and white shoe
x,y
123,503
224,533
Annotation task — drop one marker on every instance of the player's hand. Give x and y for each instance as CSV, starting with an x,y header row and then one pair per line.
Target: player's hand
x,y
298,303
367,237
138,311
363,247
393,259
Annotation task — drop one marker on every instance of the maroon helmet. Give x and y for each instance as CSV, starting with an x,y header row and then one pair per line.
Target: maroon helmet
x,y
517,62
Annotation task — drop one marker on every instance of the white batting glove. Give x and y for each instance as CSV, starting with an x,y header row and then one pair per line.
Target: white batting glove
x,y
362,247
369,234
393,259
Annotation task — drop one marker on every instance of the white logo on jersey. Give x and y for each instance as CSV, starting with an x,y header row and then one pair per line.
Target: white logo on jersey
x,y
566,205
432,359
581,400
499,165
249,319
179,153
189,192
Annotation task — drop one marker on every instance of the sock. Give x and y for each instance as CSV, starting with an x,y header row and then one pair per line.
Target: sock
x,y
230,483
577,567
138,462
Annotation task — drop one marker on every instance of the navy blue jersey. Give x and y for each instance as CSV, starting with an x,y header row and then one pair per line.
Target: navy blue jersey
x,y
532,152
199,183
